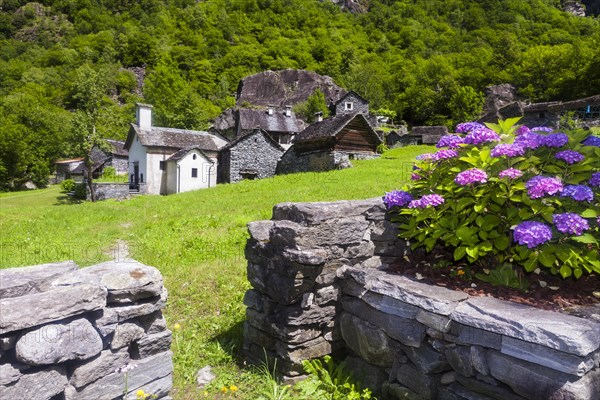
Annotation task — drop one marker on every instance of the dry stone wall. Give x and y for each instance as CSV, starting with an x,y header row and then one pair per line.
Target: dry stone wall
x,y
79,334
320,286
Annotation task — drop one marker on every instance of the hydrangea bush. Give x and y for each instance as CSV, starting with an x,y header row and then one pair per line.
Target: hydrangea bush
x,y
504,194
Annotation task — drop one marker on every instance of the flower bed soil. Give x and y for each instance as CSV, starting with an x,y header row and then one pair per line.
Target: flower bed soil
x,y
558,294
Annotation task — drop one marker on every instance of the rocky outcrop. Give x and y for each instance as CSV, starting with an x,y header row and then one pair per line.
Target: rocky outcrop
x,y
70,333
285,87
320,285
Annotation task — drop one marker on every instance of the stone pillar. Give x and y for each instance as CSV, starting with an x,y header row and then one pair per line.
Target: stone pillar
x,y
292,263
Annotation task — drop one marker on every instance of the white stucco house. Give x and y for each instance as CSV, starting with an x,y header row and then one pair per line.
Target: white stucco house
x,y
170,160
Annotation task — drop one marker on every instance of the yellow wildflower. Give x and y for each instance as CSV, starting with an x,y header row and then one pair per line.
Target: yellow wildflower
x,y
233,388
176,326
460,272
140,394
224,389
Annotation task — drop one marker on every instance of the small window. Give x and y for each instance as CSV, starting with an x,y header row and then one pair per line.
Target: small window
x,y
194,172
141,178
161,165
194,156
348,106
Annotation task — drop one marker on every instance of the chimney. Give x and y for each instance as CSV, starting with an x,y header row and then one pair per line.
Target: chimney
x,y
270,109
288,111
143,115
319,116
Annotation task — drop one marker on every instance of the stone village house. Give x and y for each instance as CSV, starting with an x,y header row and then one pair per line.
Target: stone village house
x,y
253,155
168,160
281,125
330,144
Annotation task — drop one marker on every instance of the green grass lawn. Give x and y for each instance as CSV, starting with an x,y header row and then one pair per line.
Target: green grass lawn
x,y
196,240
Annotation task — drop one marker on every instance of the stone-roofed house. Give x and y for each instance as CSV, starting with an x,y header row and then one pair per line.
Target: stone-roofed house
x,y
427,134
253,155
331,144
351,103
282,125
150,149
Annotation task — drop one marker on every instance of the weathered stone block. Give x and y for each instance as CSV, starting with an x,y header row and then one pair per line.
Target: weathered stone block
x,y
362,250
116,314
260,230
40,308
126,281
388,305
536,382
459,358
316,348
104,364
438,322
424,385
369,376
125,333
159,388
542,355
41,385
318,212
426,359
479,360
112,386
152,344
56,343
430,298
404,330
458,392
8,374
327,294
367,340
486,390
280,330
383,231
153,323
16,282
463,334
393,391
551,329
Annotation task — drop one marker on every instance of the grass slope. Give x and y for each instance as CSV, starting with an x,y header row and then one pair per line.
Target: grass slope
x,y
196,240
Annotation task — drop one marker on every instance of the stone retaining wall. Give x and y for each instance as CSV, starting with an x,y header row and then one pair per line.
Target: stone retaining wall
x,y
72,334
319,286
105,191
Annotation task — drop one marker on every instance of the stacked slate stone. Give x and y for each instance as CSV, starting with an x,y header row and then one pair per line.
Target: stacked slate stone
x,y
292,262
91,333
404,339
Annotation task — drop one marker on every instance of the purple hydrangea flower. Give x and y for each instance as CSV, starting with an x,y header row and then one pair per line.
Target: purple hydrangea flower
x,y
570,223
470,176
481,135
592,141
425,157
555,140
445,154
398,198
529,140
415,177
542,129
450,141
595,180
578,192
522,129
538,186
508,150
432,200
569,156
511,173
467,127
532,234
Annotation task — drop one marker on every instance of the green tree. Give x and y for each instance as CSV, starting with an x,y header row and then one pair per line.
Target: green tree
x,y
314,103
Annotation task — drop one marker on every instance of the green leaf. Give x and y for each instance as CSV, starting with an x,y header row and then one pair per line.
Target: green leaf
x,y
585,238
502,242
577,272
589,213
565,271
459,253
547,259
530,264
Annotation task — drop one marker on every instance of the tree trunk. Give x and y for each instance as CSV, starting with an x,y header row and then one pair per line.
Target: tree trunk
x,y
89,165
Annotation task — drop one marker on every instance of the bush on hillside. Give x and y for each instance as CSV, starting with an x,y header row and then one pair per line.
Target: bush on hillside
x,y
504,195
67,186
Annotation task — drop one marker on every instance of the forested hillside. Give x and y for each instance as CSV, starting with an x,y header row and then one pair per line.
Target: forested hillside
x,y
427,60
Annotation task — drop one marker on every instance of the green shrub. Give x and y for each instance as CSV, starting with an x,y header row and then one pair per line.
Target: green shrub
x,y
68,185
80,191
506,195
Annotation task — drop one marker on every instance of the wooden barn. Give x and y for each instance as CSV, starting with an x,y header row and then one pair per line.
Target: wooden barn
x,y
331,144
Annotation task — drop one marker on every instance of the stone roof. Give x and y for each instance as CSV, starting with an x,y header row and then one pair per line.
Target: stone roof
x,y
289,86
558,106
252,133
277,122
185,151
330,127
174,138
429,134
352,92
117,148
